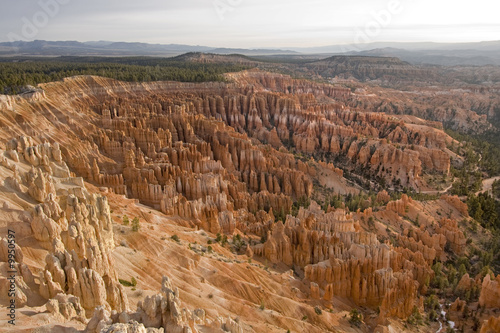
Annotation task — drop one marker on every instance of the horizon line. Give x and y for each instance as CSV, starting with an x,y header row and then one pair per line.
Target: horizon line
x,y
283,48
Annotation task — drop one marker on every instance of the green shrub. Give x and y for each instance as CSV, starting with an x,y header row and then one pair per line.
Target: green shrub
x,y
431,303
432,315
126,283
355,317
135,224
415,318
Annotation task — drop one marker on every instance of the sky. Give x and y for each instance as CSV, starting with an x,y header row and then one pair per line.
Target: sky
x,y
250,23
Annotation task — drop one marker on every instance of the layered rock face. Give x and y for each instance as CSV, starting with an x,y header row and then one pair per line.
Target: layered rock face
x,y
73,226
432,235
198,178
465,109
341,260
192,152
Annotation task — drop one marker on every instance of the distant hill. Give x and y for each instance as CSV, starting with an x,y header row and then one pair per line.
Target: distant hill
x,y
251,51
477,57
409,46
446,54
365,68
216,58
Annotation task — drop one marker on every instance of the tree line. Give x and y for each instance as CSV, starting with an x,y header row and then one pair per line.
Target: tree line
x,y
16,73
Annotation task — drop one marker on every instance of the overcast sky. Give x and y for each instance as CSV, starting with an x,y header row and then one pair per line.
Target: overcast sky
x,y
250,23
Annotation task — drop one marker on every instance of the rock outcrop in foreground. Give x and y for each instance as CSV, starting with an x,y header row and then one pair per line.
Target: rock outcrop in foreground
x,y
158,313
71,225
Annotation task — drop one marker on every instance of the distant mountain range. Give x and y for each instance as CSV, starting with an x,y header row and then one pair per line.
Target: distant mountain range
x,y
444,57
410,46
103,48
447,54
